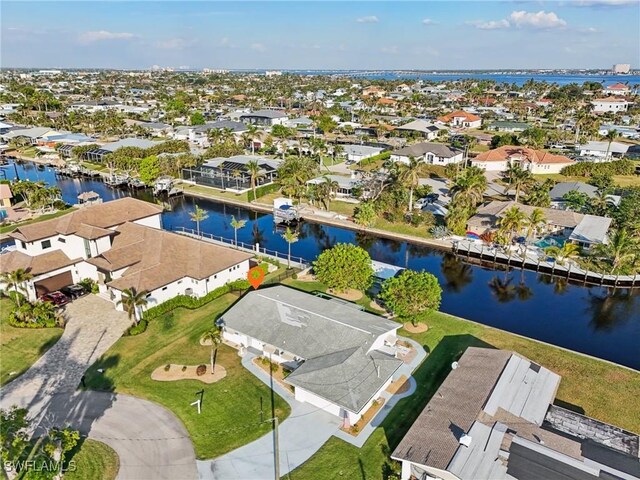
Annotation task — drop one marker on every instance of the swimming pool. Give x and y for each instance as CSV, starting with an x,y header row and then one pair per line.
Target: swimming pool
x,y
550,242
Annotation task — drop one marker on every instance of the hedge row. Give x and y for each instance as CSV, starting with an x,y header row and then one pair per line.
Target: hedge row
x,y
589,169
263,190
185,301
381,156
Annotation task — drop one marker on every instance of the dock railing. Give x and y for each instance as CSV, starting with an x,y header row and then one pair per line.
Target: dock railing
x,y
296,262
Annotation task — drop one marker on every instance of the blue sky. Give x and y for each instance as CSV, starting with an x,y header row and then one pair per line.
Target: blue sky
x,y
330,34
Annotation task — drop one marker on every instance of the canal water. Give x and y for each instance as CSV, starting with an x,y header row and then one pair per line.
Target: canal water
x,y
598,321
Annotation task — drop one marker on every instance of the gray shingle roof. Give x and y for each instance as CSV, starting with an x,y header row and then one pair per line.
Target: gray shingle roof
x,y
419,149
562,188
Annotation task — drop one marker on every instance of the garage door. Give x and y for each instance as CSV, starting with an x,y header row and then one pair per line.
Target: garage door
x,y
54,283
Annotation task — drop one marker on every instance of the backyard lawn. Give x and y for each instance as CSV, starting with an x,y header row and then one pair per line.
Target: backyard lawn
x,y
230,408
21,347
94,460
620,180
589,386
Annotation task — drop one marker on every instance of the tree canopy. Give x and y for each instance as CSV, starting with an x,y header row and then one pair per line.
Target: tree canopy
x,y
411,294
344,266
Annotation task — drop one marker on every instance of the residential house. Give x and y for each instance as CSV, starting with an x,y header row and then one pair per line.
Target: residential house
x,y
614,105
232,173
584,230
602,151
346,185
618,89
373,91
356,153
431,153
621,130
265,118
340,358
536,161
32,135
425,128
461,119
98,154
506,126
494,418
109,243
199,134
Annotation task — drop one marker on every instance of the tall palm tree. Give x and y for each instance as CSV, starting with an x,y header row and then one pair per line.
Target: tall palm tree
x,y
198,215
133,301
16,280
326,190
534,221
469,187
568,251
517,178
410,177
610,137
622,249
255,172
237,224
512,222
290,237
214,336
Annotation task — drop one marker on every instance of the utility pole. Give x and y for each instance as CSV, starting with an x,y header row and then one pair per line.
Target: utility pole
x,y
276,447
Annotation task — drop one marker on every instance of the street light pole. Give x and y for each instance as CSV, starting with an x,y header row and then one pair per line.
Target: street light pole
x,y
276,447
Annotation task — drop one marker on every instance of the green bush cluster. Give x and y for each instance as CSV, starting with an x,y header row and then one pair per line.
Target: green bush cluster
x,y
263,190
590,169
371,160
137,329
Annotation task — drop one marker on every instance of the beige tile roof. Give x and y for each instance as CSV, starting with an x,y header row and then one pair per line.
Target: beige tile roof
x,y
44,263
469,117
156,258
488,215
103,216
5,191
506,152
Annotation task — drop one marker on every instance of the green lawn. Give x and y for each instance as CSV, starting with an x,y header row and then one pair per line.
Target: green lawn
x,y
230,408
215,193
620,180
98,167
48,216
593,387
21,347
94,460
343,208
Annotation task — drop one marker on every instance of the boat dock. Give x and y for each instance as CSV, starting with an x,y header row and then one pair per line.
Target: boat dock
x,y
470,250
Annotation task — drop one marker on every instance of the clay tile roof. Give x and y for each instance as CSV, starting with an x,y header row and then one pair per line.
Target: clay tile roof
x,y
37,265
5,191
102,216
172,258
528,154
470,117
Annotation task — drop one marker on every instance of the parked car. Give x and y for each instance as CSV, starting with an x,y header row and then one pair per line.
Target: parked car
x,y
74,291
57,298
423,202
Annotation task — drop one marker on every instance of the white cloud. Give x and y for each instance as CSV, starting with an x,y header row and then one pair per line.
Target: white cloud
x,y
539,19
258,47
104,35
368,19
428,22
490,25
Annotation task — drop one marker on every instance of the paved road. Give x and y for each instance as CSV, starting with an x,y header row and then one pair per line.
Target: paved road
x,y
150,441
301,435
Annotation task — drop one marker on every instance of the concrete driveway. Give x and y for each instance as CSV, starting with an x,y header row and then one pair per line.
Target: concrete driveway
x,y
301,435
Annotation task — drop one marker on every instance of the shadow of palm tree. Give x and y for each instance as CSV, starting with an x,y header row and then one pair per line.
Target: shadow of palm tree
x,y
502,289
457,274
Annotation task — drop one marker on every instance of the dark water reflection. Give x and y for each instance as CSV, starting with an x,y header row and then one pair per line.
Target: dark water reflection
x,y
599,321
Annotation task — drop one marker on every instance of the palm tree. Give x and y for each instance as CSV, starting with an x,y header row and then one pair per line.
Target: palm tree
x,y
534,221
512,222
567,252
326,190
237,224
518,178
290,237
409,176
132,301
214,336
16,280
255,172
622,249
610,136
469,186
198,215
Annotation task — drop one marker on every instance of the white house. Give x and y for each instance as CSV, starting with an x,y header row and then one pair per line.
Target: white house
x,y
120,245
425,128
618,89
341,358
602,151
536,161
461,119
615,105
265,118
356,153
431,153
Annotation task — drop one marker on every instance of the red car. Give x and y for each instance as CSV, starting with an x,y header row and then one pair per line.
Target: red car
x,y
57,298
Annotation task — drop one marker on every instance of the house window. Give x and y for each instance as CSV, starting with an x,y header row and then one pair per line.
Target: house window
x,y
46,244
164,288
23,245
62,240
179,282
87,248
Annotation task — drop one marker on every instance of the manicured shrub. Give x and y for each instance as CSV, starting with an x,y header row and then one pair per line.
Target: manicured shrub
x,y
591,169
201,370
137,329
263,190
167,367
184,368
294,276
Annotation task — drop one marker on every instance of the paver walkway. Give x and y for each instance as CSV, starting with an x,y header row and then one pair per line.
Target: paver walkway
x,y
93,325
301,435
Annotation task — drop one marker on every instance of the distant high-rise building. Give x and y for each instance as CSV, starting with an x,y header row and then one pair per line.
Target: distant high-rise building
x,y
273,73
621,68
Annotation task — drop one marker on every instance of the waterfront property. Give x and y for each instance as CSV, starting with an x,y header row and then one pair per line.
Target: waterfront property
x,y
560,189
536,161
584,230
346,185
97,154
602,151
431,153
613,105
508,126
493,418
232,173
356,153
340,357
424,128
109,243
